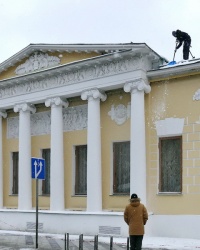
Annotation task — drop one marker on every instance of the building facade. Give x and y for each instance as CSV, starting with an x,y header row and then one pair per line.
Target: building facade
x,y
109,120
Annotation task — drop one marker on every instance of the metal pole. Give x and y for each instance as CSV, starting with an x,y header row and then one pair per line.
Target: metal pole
x,y
127,243
111,242
67,241
96,242
81,242
36,226
192,55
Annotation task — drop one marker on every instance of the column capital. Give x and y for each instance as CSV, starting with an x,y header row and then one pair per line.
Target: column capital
x,y
3,113
24,107
93,94
56,101
139,84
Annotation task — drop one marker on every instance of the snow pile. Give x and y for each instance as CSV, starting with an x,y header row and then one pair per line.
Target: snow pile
x,y
181,63
170,243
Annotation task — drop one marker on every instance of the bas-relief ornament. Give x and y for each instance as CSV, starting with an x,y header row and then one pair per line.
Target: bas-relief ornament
x,y
120,113
37,61
71,77
74,118
196,95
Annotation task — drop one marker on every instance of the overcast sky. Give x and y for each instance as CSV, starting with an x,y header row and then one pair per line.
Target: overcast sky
x,y
98,21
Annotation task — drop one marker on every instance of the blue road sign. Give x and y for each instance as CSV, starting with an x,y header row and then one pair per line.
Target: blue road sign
x,y
38,168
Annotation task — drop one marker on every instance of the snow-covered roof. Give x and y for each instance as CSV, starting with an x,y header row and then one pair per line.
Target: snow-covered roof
x,y
174,69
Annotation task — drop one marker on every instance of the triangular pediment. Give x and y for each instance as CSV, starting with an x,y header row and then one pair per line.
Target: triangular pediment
x,y
38,57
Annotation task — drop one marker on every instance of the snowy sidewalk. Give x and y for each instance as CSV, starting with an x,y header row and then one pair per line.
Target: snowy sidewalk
x,y
14,237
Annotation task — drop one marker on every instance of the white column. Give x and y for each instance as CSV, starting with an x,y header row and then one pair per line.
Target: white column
x,y
25,181
138,146
94,180
4,115
57,155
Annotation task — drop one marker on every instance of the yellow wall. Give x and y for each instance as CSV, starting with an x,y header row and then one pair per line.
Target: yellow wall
x,y
111,132
174,98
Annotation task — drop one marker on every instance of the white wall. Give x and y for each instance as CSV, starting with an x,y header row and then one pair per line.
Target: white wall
x,y
87,223
175,226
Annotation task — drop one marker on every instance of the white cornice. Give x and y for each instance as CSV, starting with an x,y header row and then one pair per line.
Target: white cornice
x,y
99,48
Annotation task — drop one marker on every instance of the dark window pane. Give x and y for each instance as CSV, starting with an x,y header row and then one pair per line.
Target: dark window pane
x,y
81,170
121,155
46,155
15,157
171,161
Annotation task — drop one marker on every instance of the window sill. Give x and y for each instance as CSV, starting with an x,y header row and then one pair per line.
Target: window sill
x,y
119,195
169,193
79,195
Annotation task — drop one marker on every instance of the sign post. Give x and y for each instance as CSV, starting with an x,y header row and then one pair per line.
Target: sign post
x,y
38,172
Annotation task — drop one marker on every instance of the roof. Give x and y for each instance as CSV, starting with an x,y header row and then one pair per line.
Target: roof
x,y
186,67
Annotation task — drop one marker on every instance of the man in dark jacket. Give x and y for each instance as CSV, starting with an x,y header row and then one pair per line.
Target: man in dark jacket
x,y
182,37
136,216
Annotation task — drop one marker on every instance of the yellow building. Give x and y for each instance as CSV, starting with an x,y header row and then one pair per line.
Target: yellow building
x,y
109,120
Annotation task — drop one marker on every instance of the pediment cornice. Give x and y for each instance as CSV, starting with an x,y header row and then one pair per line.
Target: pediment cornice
x,y
87,48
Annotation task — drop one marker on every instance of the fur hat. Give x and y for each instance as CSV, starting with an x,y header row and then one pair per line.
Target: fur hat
x,y
134,196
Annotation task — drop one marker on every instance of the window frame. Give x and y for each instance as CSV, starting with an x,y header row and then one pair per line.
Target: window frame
x,y
114,170
14,173
43,182
76,172
160,165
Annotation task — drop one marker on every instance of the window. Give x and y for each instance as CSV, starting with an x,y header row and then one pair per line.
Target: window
x,y
170,164
46,155
15,164
81,170
121,167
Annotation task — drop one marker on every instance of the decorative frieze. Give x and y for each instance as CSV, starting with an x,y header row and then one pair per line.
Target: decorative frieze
x,y
37,61
70,77
74,118
120,114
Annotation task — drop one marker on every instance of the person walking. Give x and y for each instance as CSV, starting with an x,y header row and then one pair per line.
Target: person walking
x,y
136,216
182,37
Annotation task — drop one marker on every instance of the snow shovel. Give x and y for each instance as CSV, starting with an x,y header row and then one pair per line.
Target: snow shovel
x,y
173,62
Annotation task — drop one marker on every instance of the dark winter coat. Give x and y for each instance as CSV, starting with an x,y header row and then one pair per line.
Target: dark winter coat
x,y
136,216
182,37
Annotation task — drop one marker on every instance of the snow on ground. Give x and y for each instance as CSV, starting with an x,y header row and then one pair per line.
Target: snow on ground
x,y
148,242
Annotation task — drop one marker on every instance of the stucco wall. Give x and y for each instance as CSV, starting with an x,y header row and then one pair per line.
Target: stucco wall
x,y
174,99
